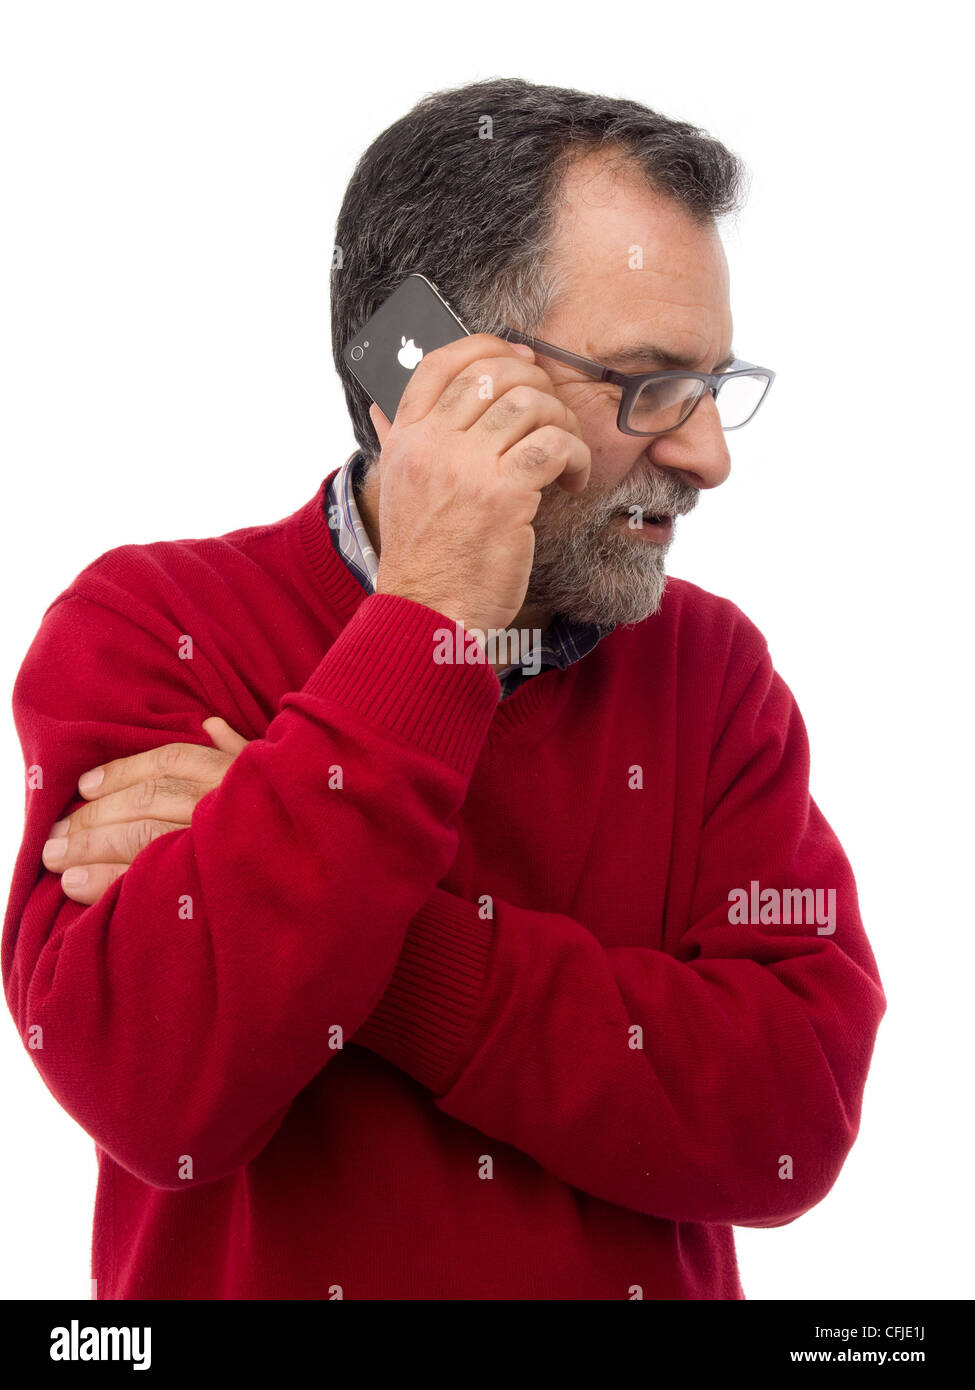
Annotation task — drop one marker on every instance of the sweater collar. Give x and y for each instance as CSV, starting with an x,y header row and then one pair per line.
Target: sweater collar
x,y
563,643
345,586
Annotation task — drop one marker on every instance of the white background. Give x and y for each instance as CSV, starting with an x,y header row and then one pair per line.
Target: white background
x,y
171,177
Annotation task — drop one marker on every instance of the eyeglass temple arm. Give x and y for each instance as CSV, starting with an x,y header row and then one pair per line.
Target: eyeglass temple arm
x,y
583,364
560,355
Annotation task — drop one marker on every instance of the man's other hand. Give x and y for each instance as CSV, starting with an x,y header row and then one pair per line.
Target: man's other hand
x,y
138,799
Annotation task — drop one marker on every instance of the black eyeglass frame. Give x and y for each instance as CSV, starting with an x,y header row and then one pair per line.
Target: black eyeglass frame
x,y
632,383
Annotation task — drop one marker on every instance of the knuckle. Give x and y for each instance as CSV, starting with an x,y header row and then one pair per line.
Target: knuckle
x,y
187,789
512,404
169,757
553,440
142,833
143,794
533,455
458,388
491,365
547,444
217,769
522,397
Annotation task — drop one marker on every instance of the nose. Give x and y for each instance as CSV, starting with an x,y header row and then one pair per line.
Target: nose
x,y
697,449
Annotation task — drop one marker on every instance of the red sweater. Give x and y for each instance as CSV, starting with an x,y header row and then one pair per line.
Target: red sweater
x,y
437,997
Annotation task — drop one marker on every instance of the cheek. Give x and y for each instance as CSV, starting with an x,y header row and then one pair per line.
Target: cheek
x,y
596,409
595,400
614,455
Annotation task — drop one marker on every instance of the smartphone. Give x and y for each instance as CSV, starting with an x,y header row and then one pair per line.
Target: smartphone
x,y
413,321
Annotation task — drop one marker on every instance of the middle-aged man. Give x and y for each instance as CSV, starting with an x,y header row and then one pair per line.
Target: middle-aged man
x,y
445,975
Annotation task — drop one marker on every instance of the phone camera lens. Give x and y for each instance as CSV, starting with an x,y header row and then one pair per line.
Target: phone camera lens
x,y
356,354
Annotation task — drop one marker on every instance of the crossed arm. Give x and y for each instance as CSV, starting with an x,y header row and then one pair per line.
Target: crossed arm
x,y
750,1125
138,799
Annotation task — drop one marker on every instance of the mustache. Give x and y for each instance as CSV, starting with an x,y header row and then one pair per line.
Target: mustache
x,y
671,498
657,495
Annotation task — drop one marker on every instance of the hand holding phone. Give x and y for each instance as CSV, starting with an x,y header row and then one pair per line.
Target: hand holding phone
x,y
478,433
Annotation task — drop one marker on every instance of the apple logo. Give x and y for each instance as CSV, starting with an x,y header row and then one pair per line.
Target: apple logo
x,y
409,354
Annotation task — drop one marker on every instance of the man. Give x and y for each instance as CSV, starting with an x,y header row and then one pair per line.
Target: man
x,y
452,976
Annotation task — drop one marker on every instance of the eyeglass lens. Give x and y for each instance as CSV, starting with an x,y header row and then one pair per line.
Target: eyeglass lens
x,y
663,405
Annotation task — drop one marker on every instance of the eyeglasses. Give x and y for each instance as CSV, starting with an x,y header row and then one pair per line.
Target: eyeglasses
x,y
656,402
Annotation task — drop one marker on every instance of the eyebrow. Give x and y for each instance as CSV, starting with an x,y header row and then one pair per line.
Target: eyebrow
x,y
662,357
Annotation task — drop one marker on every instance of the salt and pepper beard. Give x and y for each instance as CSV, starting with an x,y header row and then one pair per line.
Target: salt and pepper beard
x,y
592,571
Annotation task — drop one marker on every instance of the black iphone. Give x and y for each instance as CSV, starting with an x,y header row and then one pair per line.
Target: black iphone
x,y
413,321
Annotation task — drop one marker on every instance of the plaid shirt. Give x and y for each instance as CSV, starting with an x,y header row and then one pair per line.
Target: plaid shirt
x,y
563,643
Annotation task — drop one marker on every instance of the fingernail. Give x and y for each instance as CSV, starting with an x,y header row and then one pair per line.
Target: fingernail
x,y
90,780
74,878
55,849
60,827
523,349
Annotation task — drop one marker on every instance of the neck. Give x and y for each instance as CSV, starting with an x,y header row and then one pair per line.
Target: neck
x,y
530,616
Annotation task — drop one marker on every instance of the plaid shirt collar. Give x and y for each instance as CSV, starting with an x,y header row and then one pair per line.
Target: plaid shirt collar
x,y
563,643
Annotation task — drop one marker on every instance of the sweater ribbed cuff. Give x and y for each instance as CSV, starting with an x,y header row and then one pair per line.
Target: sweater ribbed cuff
x,y
422,1023
384,664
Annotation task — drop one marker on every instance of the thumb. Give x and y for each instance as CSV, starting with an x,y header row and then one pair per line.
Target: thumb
x,y
228,740
379,423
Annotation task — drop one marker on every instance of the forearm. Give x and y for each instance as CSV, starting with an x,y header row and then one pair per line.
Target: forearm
x,y
182,1012
719,1079
669,1087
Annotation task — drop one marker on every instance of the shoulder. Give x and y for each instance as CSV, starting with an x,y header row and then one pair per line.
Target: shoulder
x,y
165,577
123,616
704,625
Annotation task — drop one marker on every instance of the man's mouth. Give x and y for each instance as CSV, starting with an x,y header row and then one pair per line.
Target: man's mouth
x,y
654,518
649,526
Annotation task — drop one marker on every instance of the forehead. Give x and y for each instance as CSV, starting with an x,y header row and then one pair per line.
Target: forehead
x,y
629,253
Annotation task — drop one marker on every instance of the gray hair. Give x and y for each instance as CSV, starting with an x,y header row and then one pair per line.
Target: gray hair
x,y
464,189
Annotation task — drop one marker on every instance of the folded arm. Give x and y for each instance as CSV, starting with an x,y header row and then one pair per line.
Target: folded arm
x,y
720,1083
181,1013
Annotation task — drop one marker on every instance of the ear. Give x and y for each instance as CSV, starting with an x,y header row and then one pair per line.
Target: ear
x,y
379,423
